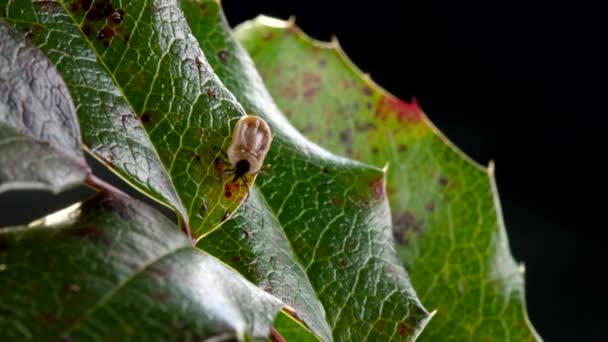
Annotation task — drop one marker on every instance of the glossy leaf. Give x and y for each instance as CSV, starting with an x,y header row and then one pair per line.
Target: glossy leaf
x,y
150,107
446,213
39,133
113,268
329,210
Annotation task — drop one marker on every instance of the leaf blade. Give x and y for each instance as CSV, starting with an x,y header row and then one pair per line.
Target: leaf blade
x,y
150,107
446,212
116,268
39,133
351,205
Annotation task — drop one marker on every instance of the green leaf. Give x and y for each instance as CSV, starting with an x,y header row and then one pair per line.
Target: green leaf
x,y
39,133
113,268
446,213
316,213
149,105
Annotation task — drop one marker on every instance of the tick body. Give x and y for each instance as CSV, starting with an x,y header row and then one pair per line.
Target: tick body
x,y
250,144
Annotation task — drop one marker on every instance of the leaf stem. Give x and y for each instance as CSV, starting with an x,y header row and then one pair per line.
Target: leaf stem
x,y
100,185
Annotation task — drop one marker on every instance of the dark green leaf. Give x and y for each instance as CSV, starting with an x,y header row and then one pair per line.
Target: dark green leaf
x,y
332,212
39,134
446,213
114,269
150,107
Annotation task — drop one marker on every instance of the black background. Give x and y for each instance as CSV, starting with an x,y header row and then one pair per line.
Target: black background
x,y
518,84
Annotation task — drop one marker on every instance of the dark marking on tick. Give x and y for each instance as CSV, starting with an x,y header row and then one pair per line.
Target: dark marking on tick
x,y
223,56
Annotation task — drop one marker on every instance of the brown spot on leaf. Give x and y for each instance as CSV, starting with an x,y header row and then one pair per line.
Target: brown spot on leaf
x,y
73,287
390,106
346,137
375,150
223,56
86,29
204,208
106,33
146,117
117,16
33,31
402,148
443,181
343,263
404,224
403,329
267,36
288,91
367,90
211,92
163,296
378,189
93,234
322,63
430,206
364,127
311,84
45,318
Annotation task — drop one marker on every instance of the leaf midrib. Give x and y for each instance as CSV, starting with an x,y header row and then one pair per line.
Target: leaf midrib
x,y
114,290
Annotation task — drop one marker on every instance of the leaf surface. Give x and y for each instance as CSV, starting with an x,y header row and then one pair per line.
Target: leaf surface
x,y
445,208
316,231
39,133
149,105
113,268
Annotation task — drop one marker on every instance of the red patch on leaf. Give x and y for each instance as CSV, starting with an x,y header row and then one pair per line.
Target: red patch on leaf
x,y
311,84
378,189
391,106
403,329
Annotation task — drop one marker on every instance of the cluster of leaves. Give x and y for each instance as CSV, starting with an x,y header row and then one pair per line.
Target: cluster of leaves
x,y
317,249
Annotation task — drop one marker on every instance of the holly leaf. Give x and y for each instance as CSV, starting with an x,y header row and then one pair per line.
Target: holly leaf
x,y
150,107
39,133
113,268
446,212
316,231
